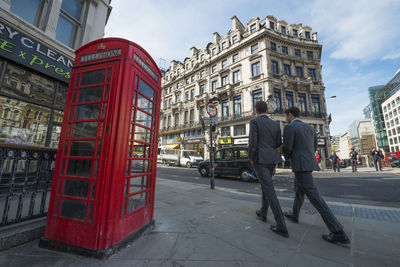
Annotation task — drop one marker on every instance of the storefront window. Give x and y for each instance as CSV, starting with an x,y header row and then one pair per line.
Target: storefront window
x,y
56,129
23,123
25,84
61,95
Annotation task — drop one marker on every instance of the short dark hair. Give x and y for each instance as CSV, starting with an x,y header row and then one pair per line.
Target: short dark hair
x,y
261,106
295,111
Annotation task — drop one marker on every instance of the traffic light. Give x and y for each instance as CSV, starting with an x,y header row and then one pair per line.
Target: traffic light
x,y
213,128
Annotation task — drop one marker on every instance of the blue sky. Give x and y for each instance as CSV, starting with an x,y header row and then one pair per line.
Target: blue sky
x,y
360,38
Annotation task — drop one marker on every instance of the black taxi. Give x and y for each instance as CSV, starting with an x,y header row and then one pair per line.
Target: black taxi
x,y
230,161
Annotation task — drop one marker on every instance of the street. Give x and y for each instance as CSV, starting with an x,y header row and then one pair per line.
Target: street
x,y
366,187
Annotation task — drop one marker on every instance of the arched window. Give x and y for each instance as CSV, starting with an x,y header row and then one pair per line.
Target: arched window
x,y
69,21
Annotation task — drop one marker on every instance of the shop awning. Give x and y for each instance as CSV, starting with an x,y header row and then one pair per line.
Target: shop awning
x,y
173,146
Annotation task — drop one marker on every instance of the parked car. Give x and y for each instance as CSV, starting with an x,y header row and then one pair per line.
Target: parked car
x,y
395,162
230,161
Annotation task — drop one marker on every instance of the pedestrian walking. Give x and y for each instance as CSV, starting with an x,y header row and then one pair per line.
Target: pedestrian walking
x,y
354,159
318,158
377,157
335,161
299,144
264,139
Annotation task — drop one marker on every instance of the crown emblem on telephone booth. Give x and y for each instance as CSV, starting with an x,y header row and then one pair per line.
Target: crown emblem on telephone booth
x,y
101,46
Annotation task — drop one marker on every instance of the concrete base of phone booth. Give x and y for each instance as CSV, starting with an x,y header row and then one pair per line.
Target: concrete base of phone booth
x,y
100,254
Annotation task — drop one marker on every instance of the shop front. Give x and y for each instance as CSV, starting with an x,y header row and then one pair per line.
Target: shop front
x,y
34,80
241,141
33,86
196,144
225,141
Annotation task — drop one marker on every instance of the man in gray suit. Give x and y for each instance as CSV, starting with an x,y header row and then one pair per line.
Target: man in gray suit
x,y
264,139
299,144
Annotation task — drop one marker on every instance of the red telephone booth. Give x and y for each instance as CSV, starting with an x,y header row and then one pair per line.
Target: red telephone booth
x,y
104,181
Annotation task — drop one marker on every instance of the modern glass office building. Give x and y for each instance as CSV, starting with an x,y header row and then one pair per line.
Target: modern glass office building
x,y
378,95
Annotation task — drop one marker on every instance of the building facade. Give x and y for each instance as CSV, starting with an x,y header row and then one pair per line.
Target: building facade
x,y
391,114
344,144
37,43
366,137
375,93
367,111
264,57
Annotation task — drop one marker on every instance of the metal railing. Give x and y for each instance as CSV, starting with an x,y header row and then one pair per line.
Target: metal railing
x,y
26,175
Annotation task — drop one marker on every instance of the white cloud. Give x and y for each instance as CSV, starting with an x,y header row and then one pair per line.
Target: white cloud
x,y
358,29
392,55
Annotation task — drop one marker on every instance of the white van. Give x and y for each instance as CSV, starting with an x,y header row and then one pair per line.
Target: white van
x,y
179,157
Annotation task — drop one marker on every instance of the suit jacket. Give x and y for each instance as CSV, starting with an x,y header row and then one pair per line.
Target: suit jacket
x,y
264,139
299,145
375,154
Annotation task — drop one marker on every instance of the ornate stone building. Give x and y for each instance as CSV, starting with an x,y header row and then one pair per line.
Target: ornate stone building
x,y
265,57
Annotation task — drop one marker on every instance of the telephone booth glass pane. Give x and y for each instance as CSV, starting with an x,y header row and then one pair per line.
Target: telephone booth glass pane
x,y
139,163
83,145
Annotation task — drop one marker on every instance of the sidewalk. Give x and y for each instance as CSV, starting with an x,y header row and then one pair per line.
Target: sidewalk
x,y
197,226
348,170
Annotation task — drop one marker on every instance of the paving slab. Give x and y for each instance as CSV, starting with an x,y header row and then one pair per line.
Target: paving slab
x,y
362,259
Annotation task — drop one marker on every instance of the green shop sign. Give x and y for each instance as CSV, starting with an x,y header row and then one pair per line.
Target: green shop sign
x,y
24,50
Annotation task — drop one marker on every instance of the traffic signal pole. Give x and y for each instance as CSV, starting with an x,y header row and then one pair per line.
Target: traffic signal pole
x,y
212,178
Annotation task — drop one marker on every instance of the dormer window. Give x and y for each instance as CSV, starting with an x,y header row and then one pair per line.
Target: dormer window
x,y
234,39
223,45
283,29
307,35
214,51
187,66
271,25
295,33
201,57
192,63
253,28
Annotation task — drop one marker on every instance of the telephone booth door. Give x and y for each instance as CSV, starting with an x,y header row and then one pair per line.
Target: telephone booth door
x,y
80,164
104,181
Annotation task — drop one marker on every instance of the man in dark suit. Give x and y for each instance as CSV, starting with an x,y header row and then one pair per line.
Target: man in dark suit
x,y
264,139
299,144
377,158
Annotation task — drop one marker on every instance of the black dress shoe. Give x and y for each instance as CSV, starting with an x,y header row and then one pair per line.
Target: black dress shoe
x,y
341,239
279,231
289,215
261,216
